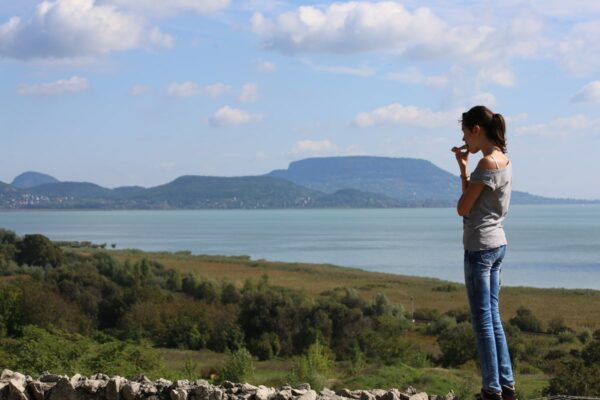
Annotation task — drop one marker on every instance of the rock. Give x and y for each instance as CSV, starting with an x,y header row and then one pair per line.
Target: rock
x,y
411,390
178,394
63,390
298,392
264,393
285,394
390,395
348,393
92,385
450,395
50,378
102,377
163,382
7,375
217,394
37,390
113,387
130,391
246,387
200,392
378,393
309,395
419,396
366,395
16,391
303,386
227,385
75,379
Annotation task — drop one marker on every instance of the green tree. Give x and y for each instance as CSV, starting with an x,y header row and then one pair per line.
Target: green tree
x,y
11,312
526,321
38,250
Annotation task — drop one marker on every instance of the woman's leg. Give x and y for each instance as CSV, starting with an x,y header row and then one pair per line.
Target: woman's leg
x,y
503,356
478,265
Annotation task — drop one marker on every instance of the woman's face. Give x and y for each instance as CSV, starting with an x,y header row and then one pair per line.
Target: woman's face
x,y
470,138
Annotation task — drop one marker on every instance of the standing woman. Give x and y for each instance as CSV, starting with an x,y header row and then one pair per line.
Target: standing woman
x,y
483,206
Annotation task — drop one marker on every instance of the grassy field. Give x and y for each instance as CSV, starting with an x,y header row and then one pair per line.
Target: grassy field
x,y
579,308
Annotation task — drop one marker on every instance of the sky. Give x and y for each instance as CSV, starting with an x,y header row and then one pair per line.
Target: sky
x,y
139,92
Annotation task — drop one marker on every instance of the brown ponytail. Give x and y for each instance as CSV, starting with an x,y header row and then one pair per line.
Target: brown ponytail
x,y
493,124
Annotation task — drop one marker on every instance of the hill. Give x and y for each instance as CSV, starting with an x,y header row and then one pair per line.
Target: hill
x,y
30,179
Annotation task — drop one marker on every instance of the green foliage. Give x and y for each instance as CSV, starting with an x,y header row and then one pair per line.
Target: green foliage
x,y
53,350
427,314
384,342
38,250
457,345
585,336
11,311
443,323
315,367
557,325
526,321
566,337
238,366
577,375
265,347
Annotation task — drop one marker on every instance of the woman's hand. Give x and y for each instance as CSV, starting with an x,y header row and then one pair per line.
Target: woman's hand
x,y
462,156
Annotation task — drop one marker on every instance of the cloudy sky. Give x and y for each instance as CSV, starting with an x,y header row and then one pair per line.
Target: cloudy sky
x,y
123,92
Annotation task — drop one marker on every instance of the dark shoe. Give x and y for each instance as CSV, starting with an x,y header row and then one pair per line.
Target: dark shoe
x,y
485,395
509,393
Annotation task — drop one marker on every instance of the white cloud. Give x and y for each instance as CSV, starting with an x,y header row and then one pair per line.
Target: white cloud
x,y
227,116
416,77
75,84
589,94
70,29
189,89
265,66
497,75
397,114
357,71
360,26
155,36
184,89
314,147
249,93
576,125
170,7
579,51
216,89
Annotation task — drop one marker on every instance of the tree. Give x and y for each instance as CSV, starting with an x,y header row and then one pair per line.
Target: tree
x,y
238,366
38,250
457,345
315,367
526,321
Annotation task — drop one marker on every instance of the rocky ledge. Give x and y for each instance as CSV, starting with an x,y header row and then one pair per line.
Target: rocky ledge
x,y
16,386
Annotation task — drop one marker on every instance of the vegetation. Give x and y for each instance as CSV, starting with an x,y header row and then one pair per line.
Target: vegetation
x,y
85,309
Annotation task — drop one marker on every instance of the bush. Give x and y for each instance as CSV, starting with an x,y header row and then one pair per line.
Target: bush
x,y
427,314
585,336
526,321
238,366
557,325
443,323
566,337
457,345
266,347
314,367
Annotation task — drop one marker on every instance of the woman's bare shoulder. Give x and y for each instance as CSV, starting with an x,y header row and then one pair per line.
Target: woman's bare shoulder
x,y
488,163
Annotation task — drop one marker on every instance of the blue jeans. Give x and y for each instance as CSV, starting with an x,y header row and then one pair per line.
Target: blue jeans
x,y
482,279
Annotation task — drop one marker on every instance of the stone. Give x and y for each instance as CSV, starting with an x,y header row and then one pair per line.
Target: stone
x,y
347,393
246,387
7,375
130,391
303,386
16,391
309,395
419,396
264,393
411,390
378,393
63,390
201,392
450,395
390,395
217,394
92,385
298,392
102,377
366,395
37,390
113,387
284,395
52,378
227,385
163,382
178,394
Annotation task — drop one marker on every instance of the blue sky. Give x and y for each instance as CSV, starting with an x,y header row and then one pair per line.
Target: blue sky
x,y
123,92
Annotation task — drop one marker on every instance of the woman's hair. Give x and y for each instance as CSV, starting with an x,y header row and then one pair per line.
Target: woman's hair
x,y
493,124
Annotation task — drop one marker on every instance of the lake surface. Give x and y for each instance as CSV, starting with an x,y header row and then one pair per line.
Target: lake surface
x,y
548,246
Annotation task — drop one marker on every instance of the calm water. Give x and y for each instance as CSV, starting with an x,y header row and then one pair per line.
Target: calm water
x,y
549,246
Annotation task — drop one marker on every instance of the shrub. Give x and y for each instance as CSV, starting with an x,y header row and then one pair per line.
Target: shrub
x,y
443,323
566,337
526,321
266,347
585,336
457,345
314,367
238,366
38,250
427,314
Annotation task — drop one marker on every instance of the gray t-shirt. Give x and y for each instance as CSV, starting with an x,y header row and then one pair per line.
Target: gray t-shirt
x,y
482,227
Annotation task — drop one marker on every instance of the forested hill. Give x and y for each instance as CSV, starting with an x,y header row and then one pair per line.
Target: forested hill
x,y
328,182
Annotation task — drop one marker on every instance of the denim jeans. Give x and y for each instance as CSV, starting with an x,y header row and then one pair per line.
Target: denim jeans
x,y
482,279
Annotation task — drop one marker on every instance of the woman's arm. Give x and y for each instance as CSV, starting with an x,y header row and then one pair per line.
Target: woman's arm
x,y
471,192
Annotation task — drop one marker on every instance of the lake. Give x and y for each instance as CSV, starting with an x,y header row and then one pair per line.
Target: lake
x,y
548,246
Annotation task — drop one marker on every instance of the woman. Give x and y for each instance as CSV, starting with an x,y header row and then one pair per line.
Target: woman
x,y
483,206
